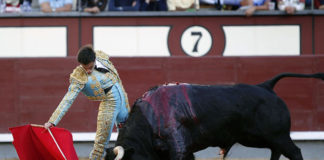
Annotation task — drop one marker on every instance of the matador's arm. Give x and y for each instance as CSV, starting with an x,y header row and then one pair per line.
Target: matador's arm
x,y
77,81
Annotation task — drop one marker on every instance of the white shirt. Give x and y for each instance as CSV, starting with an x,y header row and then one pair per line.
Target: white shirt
x,y
100,65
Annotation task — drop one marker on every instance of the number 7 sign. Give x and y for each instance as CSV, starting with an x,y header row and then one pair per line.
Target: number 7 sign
x,y
196,41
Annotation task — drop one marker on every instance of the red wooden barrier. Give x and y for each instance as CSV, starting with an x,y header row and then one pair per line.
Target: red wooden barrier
x,y
32,88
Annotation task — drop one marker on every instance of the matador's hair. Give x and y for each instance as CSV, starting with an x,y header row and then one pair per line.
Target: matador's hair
x,y
86,55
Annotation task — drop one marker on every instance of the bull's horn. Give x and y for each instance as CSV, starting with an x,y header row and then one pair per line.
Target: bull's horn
x,y
119,151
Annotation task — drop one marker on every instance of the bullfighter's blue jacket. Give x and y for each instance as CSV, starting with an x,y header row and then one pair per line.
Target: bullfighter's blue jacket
x,y
114,102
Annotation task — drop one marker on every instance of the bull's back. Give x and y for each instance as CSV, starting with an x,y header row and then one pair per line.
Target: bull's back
x,y
213,114
239,98
199,102
231,111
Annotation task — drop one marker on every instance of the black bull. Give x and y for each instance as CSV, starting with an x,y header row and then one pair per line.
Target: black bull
x,y
174,121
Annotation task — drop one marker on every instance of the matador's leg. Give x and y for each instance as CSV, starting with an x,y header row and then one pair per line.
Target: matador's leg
x,y
105,123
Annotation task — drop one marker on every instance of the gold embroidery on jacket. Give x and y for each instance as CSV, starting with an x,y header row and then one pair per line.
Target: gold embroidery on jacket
x,y
79,75
66,103
102,55
97,89
104,59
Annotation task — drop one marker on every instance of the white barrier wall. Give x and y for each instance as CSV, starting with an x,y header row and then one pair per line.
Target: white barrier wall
x,y
268,40
33,41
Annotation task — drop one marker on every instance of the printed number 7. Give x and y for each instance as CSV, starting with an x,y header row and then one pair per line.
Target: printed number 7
x,y
199,37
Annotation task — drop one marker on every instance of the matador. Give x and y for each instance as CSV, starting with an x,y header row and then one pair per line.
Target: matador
x,y
97,78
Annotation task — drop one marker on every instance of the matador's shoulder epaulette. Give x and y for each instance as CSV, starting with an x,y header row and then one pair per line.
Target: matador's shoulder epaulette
x,y
102,55
79,75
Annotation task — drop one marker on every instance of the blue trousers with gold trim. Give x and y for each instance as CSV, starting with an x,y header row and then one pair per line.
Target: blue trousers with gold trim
x,y
111,111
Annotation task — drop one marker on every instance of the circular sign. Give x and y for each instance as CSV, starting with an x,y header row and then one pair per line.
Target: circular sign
x,y
196,41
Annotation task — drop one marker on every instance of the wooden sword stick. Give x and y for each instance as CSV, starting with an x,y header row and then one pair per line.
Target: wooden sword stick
x,y
36,125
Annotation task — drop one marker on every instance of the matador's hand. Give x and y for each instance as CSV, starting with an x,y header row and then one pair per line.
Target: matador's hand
x,y
48,125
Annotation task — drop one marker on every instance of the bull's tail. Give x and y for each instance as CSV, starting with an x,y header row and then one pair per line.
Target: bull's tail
x,y
270,84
